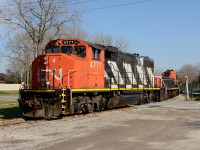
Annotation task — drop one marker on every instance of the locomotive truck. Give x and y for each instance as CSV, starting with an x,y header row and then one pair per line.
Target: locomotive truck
x,y
74,76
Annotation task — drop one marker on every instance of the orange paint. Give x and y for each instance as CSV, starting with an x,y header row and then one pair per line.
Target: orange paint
x,y
158,81
78,69
170,74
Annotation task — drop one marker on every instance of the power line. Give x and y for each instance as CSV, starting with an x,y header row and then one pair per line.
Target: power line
x,y
97,8
113,6
119,5
61,3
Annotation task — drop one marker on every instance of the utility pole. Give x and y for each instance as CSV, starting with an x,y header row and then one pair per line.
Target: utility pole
x,y
199,80
187,91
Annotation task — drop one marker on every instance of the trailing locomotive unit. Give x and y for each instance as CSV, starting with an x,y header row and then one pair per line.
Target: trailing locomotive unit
x,y
168,84
75,76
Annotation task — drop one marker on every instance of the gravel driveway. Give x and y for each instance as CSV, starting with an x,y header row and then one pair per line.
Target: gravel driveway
x,y
128,128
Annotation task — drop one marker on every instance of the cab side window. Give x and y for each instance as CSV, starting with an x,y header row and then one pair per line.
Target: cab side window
x,y
96,54
80,51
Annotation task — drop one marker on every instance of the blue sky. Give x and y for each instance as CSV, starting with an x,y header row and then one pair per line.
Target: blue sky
x,y
168,31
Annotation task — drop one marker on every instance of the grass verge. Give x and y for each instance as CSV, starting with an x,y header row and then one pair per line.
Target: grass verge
x,y
9,110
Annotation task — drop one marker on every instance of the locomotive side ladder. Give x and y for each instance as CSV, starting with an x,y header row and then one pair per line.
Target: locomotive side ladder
x,y
66,97
65,101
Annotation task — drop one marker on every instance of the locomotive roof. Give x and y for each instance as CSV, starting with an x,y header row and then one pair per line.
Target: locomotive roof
x,y
106,48
115,50
95,45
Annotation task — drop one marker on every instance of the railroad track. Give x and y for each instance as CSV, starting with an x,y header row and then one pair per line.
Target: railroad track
x,y
19,121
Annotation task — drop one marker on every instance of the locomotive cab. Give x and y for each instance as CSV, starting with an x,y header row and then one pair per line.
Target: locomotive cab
x,y
69,63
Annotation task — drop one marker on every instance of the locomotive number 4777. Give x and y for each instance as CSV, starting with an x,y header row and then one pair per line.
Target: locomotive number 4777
x,y
95,65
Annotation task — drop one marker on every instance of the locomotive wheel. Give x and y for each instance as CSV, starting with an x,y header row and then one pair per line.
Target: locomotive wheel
x,y
151,97
90,108
142,99
76,108
84,108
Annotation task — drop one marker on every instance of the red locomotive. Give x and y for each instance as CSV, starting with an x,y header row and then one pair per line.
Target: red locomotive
x,y
167,83
69,66
74,76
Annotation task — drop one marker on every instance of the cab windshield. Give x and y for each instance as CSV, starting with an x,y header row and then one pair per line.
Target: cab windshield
x,y
52,50
67,49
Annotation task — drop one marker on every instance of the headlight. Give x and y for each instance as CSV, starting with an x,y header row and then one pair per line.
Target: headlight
x,y
45,60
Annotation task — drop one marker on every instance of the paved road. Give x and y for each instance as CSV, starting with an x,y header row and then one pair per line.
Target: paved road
x,y
9,98
174,104
164,125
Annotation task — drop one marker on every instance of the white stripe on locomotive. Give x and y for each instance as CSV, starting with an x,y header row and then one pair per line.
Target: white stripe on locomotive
x,y
151,76
141,72
116,72
130,74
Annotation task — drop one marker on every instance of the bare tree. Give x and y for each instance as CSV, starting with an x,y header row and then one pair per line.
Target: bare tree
x,y
32,23
158,71
107,40
40,20
188,70
76,31
20,52
122,44
103,39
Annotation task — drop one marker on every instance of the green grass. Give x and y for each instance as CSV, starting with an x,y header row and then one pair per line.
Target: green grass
x,y
9,93
9,109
